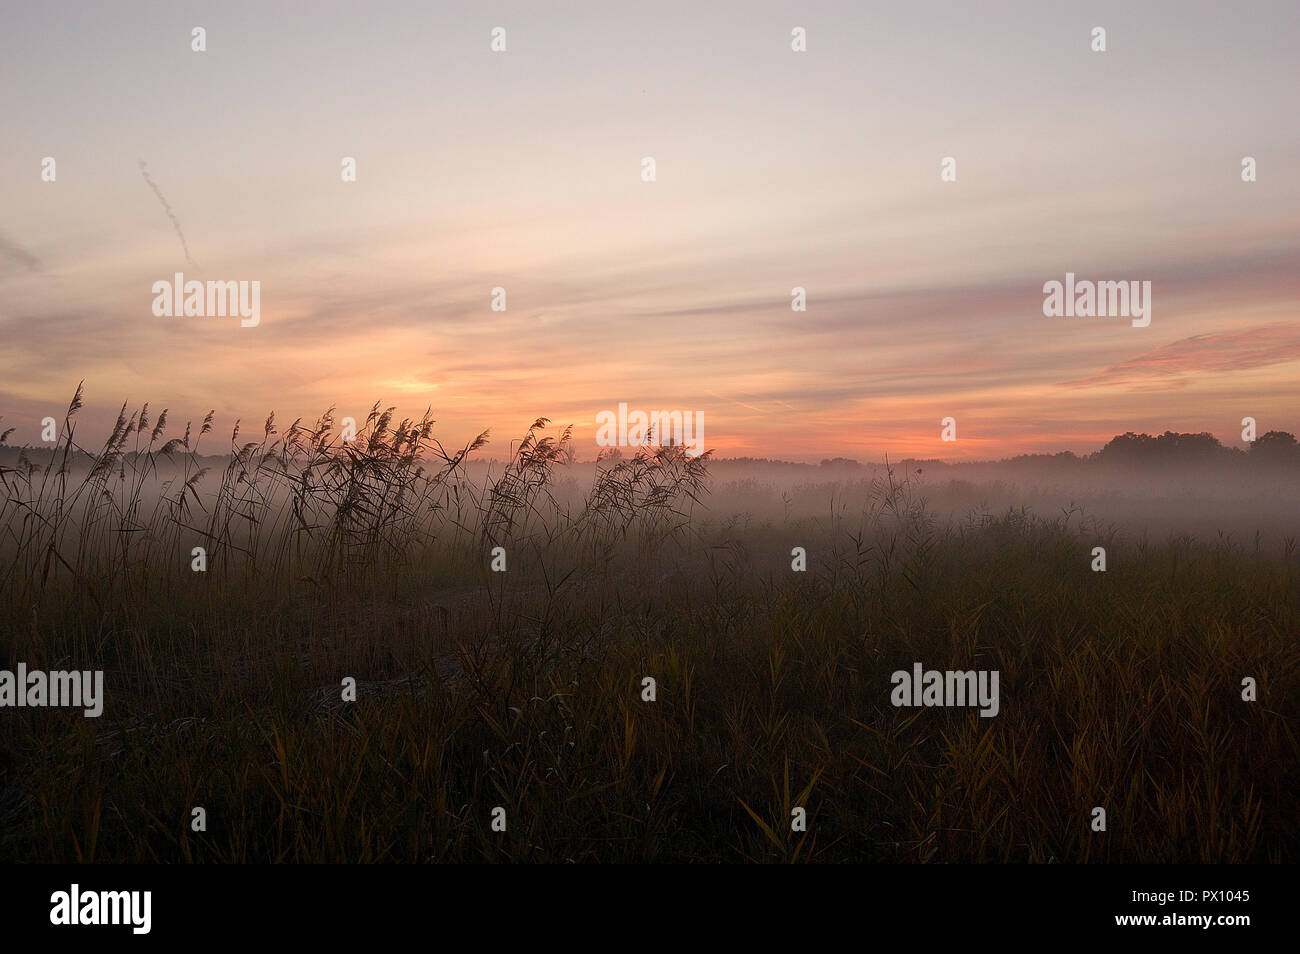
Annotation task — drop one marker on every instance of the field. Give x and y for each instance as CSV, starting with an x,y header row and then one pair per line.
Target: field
x,y
522,689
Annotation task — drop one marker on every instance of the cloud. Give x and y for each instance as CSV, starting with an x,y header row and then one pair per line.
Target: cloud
x,y
1165,367
18,254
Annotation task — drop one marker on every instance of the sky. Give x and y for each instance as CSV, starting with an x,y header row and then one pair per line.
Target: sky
x,y
774,169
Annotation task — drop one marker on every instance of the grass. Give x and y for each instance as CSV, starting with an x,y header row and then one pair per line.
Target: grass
x,y
523,689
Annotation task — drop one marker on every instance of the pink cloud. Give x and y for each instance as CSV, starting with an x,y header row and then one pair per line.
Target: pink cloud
x,y
1165,367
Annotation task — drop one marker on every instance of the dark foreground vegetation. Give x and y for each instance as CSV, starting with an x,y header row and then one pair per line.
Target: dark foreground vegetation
x,y
523,689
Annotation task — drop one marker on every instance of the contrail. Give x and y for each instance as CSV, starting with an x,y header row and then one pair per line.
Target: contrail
x,y
170,214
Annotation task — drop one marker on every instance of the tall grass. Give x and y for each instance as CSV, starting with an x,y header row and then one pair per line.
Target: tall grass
x,y
522,689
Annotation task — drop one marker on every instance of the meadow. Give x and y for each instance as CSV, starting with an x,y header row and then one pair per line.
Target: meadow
x,y
523,689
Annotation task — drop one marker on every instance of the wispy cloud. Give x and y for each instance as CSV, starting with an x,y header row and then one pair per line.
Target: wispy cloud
x,y
20,255
1167,366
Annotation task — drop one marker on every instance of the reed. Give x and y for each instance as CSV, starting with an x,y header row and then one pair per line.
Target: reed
x,y
370,559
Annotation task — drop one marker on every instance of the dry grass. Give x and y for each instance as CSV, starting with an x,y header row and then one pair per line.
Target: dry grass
x,y
522,689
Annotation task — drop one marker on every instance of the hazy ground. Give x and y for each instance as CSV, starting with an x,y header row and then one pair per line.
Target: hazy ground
x,y
523,690
1155,500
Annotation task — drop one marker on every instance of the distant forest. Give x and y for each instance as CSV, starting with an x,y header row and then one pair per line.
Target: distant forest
x,y
1142,450
1127,450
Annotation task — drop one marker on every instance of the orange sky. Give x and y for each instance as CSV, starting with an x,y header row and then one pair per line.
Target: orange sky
x,y
775,169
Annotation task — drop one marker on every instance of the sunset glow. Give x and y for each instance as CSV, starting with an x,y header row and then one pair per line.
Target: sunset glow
x,y
924,298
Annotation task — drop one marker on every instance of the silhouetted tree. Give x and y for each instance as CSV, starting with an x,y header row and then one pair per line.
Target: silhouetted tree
x,y
1171,447
1275,447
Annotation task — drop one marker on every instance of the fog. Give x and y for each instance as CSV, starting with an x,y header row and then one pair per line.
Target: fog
x,y
1233,495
